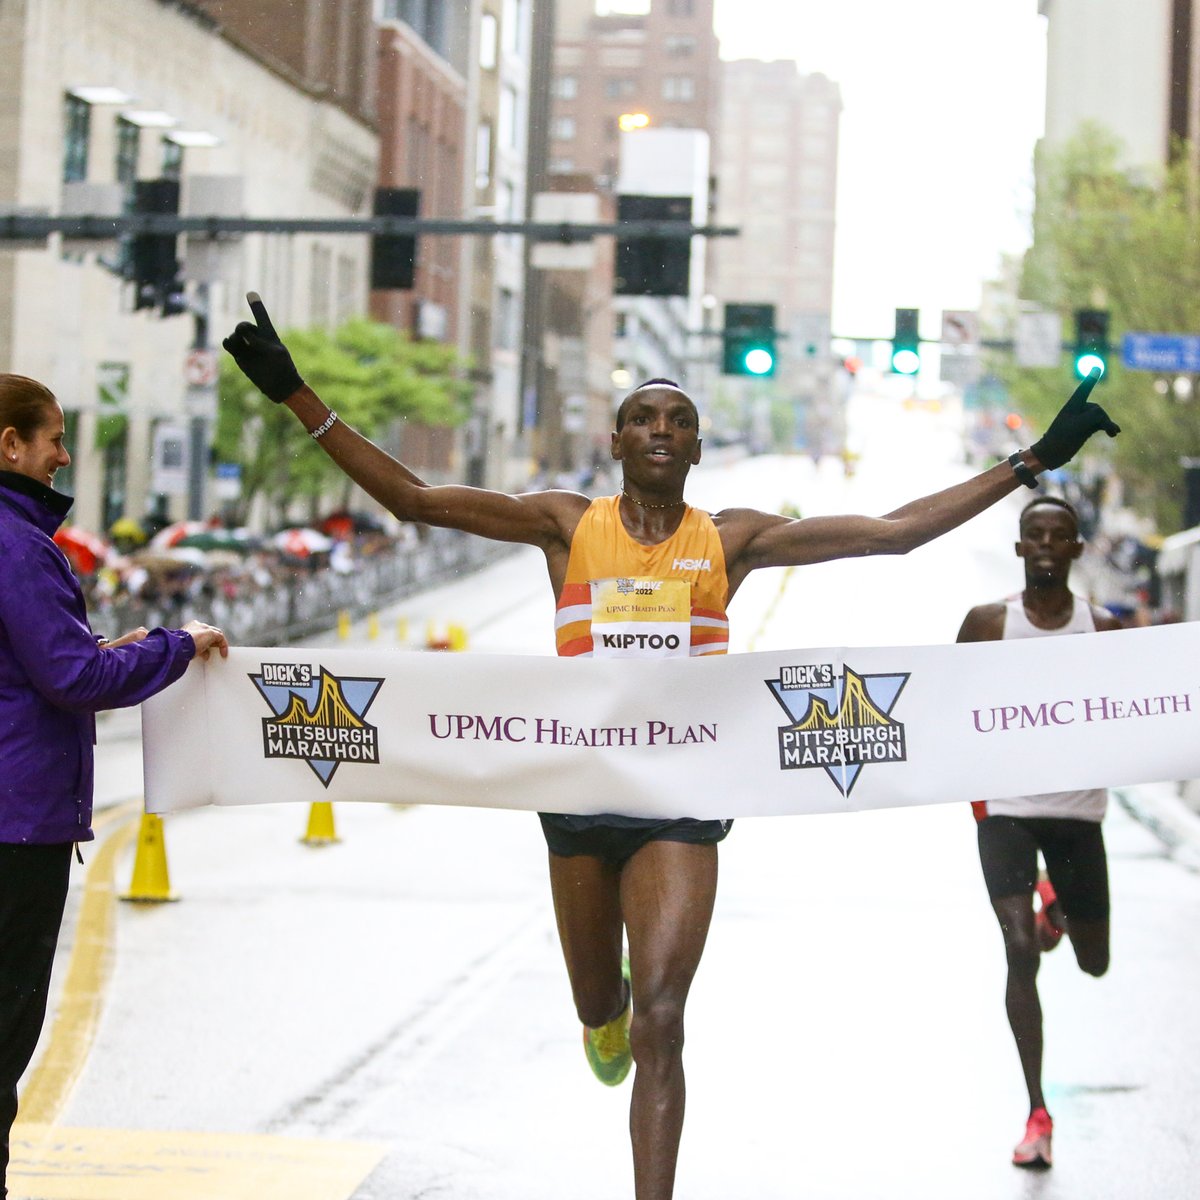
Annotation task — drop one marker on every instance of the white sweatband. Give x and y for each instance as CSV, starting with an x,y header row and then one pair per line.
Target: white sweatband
x,y
324,427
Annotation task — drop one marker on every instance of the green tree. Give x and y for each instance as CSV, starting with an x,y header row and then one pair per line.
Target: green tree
x,y
371,374
1107,238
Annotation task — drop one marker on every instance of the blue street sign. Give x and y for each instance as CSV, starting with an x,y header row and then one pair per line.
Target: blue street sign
x,y
1161,351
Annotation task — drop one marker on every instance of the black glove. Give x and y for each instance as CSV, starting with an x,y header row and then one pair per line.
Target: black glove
x,y
263,358
1077,420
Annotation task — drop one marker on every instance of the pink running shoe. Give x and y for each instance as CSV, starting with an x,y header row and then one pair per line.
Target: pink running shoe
x,y
1049,934
1033,1151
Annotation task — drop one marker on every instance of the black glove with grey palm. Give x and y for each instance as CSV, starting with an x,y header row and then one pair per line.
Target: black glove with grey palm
x,y
262,357
1077,420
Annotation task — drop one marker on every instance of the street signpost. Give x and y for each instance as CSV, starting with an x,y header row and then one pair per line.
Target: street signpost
x,y
960,327
1163,352
1039,339
959,363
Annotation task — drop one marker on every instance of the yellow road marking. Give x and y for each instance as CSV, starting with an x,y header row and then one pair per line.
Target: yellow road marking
x,y
78,1012
52,1163
766,619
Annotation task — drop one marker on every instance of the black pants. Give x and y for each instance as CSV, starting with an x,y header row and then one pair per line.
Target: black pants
x,y
33,893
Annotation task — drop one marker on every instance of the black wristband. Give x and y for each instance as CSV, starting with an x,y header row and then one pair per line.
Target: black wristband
x,y
1021,470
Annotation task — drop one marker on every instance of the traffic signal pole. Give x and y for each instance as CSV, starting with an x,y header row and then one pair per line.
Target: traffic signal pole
x,y
17,229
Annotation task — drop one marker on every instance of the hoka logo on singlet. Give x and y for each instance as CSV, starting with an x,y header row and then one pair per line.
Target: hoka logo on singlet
x,y
692,564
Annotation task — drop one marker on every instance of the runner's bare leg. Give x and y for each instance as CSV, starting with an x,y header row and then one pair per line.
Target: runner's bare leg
x,y
667,894
587,907
1015,914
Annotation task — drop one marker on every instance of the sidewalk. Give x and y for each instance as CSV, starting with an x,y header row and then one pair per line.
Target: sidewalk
x,y
1161,808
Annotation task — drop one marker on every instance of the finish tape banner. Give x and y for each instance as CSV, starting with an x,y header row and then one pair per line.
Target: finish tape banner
x,y
788,731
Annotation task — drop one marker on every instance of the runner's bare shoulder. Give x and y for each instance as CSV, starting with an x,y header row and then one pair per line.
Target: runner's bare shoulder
x,y
984,623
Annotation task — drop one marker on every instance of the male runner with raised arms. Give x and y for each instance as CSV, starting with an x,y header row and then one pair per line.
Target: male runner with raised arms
x,y
1064,826
652,881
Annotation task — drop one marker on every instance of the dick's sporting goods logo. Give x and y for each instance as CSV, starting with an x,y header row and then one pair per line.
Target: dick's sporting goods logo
x,y
317,717
838,724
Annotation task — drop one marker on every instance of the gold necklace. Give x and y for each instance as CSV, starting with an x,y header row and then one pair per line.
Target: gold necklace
x,y
644,504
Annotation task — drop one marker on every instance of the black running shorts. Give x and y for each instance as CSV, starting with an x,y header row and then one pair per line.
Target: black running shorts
x,y
617,839
1074,854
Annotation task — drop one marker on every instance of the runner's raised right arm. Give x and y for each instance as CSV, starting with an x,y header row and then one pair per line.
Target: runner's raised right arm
x,y
542,519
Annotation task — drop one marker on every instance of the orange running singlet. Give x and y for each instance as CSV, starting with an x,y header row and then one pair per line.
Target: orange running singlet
x,y
625,600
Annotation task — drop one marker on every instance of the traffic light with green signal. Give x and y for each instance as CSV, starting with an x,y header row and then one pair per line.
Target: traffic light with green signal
x,y
906,342
749,340
1091,341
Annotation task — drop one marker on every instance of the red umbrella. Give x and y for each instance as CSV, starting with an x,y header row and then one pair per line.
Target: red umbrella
x,y
85,551
172,535
300,543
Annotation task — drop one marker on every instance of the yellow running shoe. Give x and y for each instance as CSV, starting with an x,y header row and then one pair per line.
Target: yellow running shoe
x,y
607,1047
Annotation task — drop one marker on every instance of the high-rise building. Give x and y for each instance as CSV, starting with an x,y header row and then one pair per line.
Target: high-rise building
x,y
662,63
777,182
1124,67
657,62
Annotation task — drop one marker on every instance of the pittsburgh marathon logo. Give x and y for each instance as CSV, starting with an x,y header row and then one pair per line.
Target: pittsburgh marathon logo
x,y
317,718
840,725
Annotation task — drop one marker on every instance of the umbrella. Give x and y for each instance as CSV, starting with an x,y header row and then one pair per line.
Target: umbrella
x,y
85,551
344,522
300,543
164,539
165,562
240,540
126,529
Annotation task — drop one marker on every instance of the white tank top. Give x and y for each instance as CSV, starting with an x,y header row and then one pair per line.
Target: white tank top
x,y
1087,805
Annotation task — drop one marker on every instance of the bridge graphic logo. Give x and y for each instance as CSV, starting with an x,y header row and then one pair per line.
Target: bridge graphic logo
x,y
838,724
317,717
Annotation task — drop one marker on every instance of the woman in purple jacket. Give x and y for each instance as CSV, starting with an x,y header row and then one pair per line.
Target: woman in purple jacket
x,y
55,674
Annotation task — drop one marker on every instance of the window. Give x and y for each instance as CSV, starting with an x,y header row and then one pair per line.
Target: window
x,y
566,87
766,146
562,129
426,17
505,202
172,159
506,320
681,8
815,145
507,117
510,26
112,437
115,477
128,142
679,45
618,88
77,125
483,155
813,179
488,41
678,87
561,166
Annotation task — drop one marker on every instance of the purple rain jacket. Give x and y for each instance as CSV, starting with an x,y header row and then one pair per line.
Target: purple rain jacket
x,y
54,677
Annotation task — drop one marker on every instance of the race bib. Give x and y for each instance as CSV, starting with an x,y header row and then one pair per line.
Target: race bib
x,y
641,618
